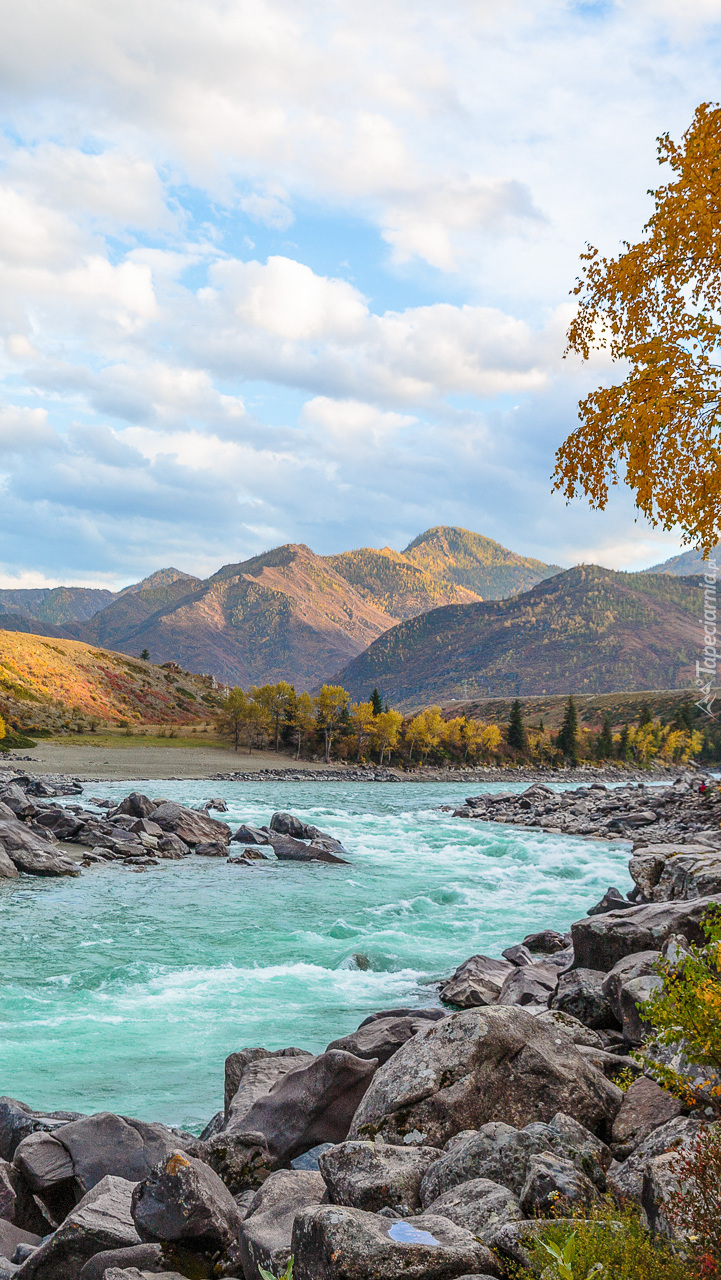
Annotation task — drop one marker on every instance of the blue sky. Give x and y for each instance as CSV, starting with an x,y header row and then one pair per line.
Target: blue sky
x,y
274,272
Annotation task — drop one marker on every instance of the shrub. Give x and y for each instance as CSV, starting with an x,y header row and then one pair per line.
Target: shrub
x,y
611,1244
695,1209
687,1013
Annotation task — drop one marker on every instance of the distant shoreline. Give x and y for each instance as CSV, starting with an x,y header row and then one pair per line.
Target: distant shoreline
x,y
207,763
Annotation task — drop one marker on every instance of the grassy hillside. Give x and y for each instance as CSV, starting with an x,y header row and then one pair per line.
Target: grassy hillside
x,y
484,567
55,605
64,684
623,708
394,584
588,630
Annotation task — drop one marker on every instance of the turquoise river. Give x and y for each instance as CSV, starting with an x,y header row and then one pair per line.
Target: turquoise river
x,y
125,992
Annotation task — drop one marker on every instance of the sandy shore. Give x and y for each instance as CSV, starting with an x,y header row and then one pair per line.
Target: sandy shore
x,y
102,762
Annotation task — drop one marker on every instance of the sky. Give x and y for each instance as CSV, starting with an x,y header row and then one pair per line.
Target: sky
x,y
276,272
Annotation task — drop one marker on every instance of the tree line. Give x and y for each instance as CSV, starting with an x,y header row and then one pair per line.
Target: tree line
x,y
330,724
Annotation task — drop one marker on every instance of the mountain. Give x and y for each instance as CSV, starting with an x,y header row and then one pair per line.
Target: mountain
x,y
55,605
480,565
20,622
65,684
287,614
588,630
395,584
283,615
686,564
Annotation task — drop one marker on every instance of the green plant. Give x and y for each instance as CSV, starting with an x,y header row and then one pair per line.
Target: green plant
x,y
695,1208
564,1258
610,1243
284,1275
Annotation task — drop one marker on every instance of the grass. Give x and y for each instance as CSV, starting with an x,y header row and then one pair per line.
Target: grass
x,y
145,736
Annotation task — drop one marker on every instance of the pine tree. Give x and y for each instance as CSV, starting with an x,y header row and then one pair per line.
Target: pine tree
x,y
645,716
605,739
624,749
376,702
516,733
567,740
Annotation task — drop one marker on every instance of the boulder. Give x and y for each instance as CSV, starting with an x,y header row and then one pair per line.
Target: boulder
x,y
560,1022
17,1203
636,965
32,852
211,849
249,835
289,850
381,1038
547,941
599,942
132,1273
286,824
172,847
580,994
102,1220
553,1183
334,1243
476,982
503,1154
137,805
513,1241
63,824
314,1102
633,995
241,1160
477,1066
645,869
183,1200
143,1256
531,984
661,1182
479,1205
612,900
11,1236
17,1120
251,1074
190,826
8,870
645,1107
376,1175
17,801
89,1149
265,1235
626,1179
518,955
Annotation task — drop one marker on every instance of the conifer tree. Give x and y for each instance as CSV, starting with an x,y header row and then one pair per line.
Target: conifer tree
x,y
516,733
605,739
624,746
376,702
567,740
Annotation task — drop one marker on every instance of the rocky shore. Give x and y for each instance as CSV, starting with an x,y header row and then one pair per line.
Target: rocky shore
x,y
430,1143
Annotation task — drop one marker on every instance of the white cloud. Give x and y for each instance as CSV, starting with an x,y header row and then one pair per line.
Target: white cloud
x,y
287,299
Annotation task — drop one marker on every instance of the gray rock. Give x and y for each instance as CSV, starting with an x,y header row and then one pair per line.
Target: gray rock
x,y
132,1273
612,900
286,824
265,1235
184,1200
480,1206
599,942
17,1203
11,1236
626,1179
172,847
17,1120
554,1183
102,1220
376,1175
560,1022
314,1102
211,849
249,835
503,1154
334,1243
147,1257
547,941
531,984
580,993
633,995
190,826
636,965
32,852
476,982
241,1160
8,870
381,1038
513,1241
255,1083
17,802
518,955
661,1182
63,824
89,1149
645,1107
137,805
478,1066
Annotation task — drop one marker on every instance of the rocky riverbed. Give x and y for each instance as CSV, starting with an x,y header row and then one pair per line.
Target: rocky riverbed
x,y
428,1143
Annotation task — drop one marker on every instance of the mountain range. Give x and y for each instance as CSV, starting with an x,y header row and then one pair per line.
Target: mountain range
x,y
288,614
588,630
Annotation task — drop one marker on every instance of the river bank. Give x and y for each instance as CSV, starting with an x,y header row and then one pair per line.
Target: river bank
x,y
125,759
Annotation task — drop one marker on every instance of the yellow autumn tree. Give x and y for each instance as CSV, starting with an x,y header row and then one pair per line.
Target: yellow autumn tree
x,y
385,729
362,716
2,727
656,308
